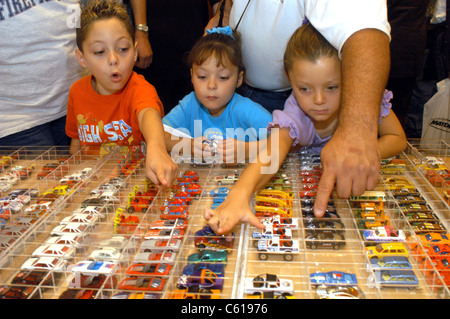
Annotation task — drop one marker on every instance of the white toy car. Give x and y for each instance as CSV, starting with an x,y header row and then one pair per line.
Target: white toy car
x,y
269,283
45,263
384,234
105,253
71,228
69,239
55,250
85,219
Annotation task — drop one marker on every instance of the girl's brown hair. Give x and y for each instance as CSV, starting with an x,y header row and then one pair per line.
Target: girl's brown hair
x,y
96,10
224,47
307,43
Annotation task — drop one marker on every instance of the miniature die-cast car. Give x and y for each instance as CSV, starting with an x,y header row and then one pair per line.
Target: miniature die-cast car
x,y
333,278
32,277
55,250
269,282
226,179
322,239
384,234
387,249
161,245
144,269
168,224
155,257
45,263
393,278
142,283
338,292
105,253
203,278
208,256
391,262
206,238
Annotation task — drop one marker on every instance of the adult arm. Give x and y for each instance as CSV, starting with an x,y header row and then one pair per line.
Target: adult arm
x,y
351,159
145,52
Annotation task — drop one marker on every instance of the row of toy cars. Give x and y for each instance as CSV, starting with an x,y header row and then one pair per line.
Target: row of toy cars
x,y
274,207
384,243
202,276
328,231
162,240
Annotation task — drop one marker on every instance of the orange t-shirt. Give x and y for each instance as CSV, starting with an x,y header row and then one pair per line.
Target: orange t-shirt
x,y
97,119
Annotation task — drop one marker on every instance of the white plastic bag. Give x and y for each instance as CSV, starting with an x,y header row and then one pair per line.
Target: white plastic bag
x,y
436,116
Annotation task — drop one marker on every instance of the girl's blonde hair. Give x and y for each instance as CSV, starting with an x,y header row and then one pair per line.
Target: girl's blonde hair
x,y
96,10
225,48
307,43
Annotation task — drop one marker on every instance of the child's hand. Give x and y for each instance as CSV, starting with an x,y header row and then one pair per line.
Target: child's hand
x,y
232,151
160,168
223,219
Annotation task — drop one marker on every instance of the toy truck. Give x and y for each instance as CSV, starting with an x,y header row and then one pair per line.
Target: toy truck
x,y
277,246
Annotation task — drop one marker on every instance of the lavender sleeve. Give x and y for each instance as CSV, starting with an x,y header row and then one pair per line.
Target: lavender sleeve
x,y
386,105
301,129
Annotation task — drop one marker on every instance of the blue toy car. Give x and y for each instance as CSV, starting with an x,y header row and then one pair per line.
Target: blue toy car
x,y
333,278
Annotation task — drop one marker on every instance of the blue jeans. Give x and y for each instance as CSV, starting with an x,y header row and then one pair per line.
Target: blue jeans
x,y
269,100
48,134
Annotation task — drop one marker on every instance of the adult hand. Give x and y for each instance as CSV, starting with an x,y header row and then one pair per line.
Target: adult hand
x,y
351,164
145,52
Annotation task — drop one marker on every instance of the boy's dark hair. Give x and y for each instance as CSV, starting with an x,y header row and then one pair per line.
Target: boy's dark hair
x,y
225,48
95,10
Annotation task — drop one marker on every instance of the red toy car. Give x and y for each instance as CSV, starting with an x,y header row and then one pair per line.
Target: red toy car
x,y
144,269
142,283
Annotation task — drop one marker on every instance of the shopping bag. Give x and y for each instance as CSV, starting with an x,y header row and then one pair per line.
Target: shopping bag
x,y
436,116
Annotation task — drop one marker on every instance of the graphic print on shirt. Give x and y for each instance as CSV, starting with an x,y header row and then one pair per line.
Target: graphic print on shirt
x,y
118,132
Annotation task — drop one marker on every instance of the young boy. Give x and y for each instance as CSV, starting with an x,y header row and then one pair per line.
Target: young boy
x,y
114,105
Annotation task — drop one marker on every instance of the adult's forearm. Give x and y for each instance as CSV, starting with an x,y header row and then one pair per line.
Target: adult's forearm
x,y
365,70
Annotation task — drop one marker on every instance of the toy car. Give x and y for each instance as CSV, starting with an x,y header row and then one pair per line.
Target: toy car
x,y
70,228
194,292
144,269
203,278
391,262
208,256
105,253
206,238
393,278
54,250
15,292
69,239
155,257
219,191
325,240
32,278
387,249
280,222
270,232
164,233
226,179
277,246
333,278
84,219
269,282
338,292
384,234
142,283
45,263
190,269
167,224
169,245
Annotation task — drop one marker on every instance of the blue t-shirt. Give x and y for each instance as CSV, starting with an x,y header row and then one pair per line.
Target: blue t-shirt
x,y
242,119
